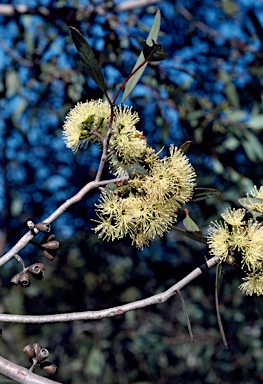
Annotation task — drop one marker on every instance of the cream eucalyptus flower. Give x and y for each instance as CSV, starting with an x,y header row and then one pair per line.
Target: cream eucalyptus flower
x,y
253,284
82,120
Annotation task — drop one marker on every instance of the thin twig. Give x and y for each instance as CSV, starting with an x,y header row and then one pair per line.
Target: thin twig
x,y
110,312
23,242
15,56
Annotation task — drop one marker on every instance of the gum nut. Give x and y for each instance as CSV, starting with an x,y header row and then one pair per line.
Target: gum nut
x,y
37,268
48,367
24,279
29,351
37,348
48,255
43,227
16,279
42,355
53,244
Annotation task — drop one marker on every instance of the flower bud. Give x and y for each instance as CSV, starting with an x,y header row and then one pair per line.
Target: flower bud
x,y
230,260
43,227
48,367
37,270
29,351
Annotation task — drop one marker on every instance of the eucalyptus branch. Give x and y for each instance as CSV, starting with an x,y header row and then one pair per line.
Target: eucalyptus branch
x,y
23,242
21,375
110,312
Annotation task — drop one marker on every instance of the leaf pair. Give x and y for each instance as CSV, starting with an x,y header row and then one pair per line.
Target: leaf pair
x,y
151,52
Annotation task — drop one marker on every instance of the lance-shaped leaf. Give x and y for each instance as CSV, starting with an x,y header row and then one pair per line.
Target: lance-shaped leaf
x,y
186,316
87,58
219,278
153,36
185,147
190,225
197,236
204,193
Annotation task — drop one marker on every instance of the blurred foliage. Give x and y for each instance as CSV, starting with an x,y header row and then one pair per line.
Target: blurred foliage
x,y
208,91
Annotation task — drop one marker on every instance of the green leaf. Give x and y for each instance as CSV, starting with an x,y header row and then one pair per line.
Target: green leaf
x,y
230,90
229,7
185,147
186,317
252,147
111,187
136,168
96,363
87,58
204,193
197,236
153,36
219,278
190,224
256,122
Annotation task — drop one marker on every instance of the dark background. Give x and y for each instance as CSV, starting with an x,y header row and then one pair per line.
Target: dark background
x,y
209,91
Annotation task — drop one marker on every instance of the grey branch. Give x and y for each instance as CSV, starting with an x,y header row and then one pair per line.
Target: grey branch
x,y
20,374
110,312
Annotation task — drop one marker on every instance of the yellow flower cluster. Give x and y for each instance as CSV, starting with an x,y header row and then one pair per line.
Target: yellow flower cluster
x,y
149,206
89,121
234,236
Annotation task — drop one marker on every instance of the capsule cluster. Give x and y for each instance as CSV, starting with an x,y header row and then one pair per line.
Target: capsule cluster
x,y
48,246
38,358
23,278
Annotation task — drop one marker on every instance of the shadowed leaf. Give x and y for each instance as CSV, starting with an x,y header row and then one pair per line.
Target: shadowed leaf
x,y
186,316
204,193
197,236
185,147
153,36
87,58
219,277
